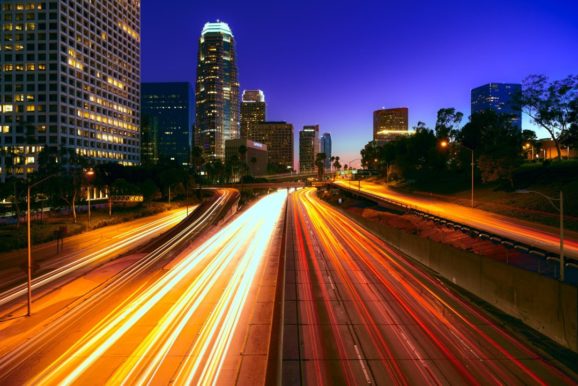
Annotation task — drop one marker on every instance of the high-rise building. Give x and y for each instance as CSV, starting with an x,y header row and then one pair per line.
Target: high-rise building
x,y
499,98
149,135
278,136
325,147
389,124
171,104
308,147
216,91
253,110
70,81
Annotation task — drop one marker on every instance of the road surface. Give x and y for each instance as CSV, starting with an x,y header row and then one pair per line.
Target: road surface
x,y
537,235
357,312
179,324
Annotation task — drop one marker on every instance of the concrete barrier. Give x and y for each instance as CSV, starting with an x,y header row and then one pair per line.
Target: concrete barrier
x,y
545,304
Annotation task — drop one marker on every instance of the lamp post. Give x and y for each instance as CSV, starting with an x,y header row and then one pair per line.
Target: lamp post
x,y
29,241
445,144
559,208
89,173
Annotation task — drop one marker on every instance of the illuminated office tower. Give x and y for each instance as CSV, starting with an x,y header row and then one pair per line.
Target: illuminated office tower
x,y
278,137
390,124
216,91
325,147
70,81
253,110
170,106
499,98
308,147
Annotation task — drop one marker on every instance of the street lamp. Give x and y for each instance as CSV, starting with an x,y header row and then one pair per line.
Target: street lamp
x,y
445,144
559,208
89,173
29,240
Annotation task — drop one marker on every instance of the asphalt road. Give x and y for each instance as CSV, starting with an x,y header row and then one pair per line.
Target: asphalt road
x,y
174,323
537,235
357,312
80,253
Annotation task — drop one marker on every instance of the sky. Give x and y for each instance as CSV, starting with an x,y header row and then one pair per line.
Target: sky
x,y
334,62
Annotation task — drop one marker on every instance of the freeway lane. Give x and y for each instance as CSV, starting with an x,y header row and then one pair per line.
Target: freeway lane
x,y
178,327
357,312
86,250
543,237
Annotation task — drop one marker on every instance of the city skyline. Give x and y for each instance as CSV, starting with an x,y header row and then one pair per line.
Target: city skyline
x,y
429,64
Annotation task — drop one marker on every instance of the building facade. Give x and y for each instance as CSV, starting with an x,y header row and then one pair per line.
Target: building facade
x,y
70,82
278,137
255,156
325,147
499,98
253,110
149,134
308,147
216,91
389,124
171,106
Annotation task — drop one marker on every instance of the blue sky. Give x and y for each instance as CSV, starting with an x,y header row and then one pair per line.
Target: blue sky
x,y
333,62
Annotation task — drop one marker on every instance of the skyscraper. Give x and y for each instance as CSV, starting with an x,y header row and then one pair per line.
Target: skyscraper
x,y
71,81
253,110
278,136
216,91
171,104
499,98
389,124
325,147
308,147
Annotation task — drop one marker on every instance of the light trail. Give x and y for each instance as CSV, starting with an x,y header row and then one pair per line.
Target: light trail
x,y
62,269
11,361
509,228
221,272
423,332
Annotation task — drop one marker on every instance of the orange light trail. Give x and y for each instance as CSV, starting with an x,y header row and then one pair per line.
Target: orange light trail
x,y
222,270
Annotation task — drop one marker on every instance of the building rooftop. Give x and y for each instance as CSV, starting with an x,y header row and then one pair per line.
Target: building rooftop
x,y
217,27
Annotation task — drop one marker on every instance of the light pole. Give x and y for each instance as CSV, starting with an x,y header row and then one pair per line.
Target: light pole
x,y
89,173
561,210
29,240
445,144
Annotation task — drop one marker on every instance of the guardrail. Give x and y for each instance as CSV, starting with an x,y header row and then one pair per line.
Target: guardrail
x,y
472,231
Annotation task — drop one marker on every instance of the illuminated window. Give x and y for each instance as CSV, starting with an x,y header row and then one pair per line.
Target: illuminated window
x,y
7,108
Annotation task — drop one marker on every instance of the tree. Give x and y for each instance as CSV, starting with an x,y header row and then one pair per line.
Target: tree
x,y
495,142
551,105
447,123
320,164
336,163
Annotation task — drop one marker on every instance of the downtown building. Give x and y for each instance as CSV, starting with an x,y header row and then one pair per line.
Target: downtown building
x,y
500,98
253,110
167,122
70,82
254,156
278,137
325,147
216,91
390,124
308,147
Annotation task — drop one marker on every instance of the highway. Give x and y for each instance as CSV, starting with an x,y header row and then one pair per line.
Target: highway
x,y
531,234
357,312
85,251
174,322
